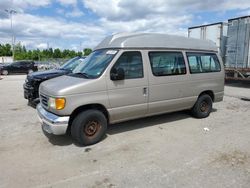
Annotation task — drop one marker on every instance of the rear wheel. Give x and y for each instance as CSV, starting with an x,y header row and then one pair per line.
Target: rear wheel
x,y
5,72
202,107
89,127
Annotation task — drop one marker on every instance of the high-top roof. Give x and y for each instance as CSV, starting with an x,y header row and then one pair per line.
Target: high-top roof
x,y
155,40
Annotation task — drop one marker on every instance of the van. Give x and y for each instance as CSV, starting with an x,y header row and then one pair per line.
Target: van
x,y
130,76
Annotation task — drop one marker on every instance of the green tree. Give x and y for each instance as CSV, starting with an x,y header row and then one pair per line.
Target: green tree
x,y
57,53
20,52
50,53
5,50
79,54
29,55
36,55
87,51
66,53
1,50
72,53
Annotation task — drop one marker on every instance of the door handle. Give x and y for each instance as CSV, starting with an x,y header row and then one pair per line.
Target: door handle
x,y
145,91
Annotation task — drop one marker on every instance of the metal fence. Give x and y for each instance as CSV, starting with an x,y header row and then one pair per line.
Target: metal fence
x,y
50,63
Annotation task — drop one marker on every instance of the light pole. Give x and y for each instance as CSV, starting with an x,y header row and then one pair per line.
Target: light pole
x,y
11,12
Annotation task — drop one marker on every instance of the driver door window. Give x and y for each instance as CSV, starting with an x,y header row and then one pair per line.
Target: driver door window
x,y
16,64
131,63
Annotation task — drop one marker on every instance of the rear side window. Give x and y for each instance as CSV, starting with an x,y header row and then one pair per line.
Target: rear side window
x,y
203,62
131,63
167,63
27,63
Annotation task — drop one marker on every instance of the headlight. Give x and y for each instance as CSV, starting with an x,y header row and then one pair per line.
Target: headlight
x,y
57,103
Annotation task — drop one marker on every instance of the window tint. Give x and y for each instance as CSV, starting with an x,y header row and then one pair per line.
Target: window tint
x,y
16,64
26,63
202,63
131,63
167,63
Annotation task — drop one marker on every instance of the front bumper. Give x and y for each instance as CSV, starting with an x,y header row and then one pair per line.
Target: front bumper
x,y
52,123
29,92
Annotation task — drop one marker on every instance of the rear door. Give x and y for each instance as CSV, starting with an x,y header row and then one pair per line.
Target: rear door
x,y
128,98
14,67
167,78
26,66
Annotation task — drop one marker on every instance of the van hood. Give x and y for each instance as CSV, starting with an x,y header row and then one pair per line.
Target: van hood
x,y
69,85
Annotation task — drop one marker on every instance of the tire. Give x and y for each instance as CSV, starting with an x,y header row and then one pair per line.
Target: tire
x,y
32,103
5,72
89,127
30,71
202,107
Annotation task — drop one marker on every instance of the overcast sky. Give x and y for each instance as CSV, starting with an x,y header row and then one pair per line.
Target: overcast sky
x,y
75,24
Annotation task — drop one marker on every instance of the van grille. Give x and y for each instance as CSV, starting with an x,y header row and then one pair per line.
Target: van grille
x,y
44,100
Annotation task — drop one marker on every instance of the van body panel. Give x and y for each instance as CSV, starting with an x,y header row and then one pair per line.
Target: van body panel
x,y
69,85
83,99
218,97
120,114
126,97
155,40
76,91
171,105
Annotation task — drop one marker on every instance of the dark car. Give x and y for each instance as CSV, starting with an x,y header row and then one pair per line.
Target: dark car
x,y
33,80
19,67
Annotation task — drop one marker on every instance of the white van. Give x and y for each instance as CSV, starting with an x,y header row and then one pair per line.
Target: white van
x,y
131,76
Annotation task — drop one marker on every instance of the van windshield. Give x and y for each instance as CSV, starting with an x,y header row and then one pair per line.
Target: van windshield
x,y
95,64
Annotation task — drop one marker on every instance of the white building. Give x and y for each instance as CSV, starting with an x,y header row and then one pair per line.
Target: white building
x,y
6,59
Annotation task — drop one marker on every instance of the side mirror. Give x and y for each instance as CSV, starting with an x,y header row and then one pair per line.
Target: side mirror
x,y
117,74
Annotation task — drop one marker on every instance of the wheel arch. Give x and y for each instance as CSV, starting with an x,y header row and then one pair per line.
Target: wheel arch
x,y
208,92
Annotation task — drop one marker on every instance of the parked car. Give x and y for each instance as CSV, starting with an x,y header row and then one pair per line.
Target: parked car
x,y
19,67
131,76
34,79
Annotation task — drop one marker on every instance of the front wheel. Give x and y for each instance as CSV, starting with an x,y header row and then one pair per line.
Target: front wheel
x,y
5,72
89,127
202,107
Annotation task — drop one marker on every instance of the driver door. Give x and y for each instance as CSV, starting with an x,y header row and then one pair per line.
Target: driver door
x,y
14,67
128,98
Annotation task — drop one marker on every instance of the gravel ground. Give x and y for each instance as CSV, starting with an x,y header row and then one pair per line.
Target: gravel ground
x,y
172,150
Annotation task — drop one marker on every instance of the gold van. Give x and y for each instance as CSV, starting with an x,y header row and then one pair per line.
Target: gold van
x,y
130,76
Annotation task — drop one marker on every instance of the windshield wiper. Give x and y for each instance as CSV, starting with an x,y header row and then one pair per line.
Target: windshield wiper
x,y
82,74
